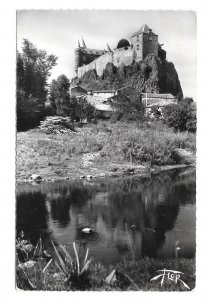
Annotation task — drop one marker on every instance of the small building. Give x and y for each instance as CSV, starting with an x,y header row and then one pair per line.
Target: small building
x,y
99,99
77,91
104,111
153,99
105,94
100,96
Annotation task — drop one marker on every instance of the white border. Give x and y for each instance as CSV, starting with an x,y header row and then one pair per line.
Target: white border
x,y
7,148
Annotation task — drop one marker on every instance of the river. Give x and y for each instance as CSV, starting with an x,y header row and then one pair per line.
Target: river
x,y
142,216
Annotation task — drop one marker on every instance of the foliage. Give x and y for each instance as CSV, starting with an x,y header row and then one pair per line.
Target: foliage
x,y
34,266
154,74
126,108
62,272
139,143
81,109
154,144
29,110
57,124
77,108
75,270
59,94
33,71
157,112
181,116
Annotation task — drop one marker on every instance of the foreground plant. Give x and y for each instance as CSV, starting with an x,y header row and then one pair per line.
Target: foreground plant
x,y
59,271
37,269
75,270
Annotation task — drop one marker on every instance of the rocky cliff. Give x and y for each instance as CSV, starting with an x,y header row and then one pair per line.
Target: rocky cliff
x,y
153,74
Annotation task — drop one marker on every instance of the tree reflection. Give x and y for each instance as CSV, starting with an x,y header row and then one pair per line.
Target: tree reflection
x,y
31,215
147,207
76,197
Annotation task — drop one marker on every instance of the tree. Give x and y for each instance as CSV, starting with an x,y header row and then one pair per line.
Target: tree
x,y
37,66
76,108
33,71
29,111
181,116
81,109
127,105
59,96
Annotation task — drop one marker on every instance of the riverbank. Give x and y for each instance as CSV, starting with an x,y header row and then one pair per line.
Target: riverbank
x,y
130,276
38,269
103,150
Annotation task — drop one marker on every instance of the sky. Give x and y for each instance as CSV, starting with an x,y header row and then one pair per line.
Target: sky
x,y
58,31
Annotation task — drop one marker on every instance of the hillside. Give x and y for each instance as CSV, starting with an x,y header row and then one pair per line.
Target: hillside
x,y
153,74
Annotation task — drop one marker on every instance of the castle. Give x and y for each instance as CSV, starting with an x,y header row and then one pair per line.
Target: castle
x,y
142,43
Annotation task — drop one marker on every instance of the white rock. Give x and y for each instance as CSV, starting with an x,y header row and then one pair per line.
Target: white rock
x,y
89,177
35,177
87,230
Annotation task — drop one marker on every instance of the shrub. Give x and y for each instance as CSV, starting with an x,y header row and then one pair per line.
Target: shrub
x,y
181,116
153,143
55,124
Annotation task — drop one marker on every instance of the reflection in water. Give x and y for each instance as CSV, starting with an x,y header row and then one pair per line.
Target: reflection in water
x,y
31,214
153,210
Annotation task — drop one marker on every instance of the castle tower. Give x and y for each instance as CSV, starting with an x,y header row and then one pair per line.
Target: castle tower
x,y
78,57
144,42
84,55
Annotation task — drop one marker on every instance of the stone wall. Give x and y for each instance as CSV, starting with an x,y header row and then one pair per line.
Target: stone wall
x,y
84,56
123,56
102,61
98,65
119,56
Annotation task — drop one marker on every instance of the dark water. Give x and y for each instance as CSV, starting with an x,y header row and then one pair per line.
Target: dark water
x,y
162,209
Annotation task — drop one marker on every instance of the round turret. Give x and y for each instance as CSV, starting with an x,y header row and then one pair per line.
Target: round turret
x,y
123,43
78,56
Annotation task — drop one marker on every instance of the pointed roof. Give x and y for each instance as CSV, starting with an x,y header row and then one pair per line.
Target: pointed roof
x,y
83,43
79,46
144,29
108,48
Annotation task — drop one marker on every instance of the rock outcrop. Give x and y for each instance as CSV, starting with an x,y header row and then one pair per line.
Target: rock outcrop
x,y
153,74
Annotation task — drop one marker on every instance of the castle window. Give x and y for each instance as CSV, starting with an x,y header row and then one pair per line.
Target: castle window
x,y
137,47
137,38
150,38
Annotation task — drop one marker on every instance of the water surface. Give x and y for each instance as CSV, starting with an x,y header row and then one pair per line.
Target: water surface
x,y
150,214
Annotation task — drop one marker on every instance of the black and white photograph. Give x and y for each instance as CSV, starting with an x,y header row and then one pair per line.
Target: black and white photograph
x,y
106,122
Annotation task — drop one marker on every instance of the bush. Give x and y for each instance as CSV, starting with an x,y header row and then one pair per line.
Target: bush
x,y
29,111
146,143
181,116
55,124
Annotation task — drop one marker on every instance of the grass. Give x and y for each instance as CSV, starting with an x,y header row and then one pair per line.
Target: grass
x,y
121,143
61,272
